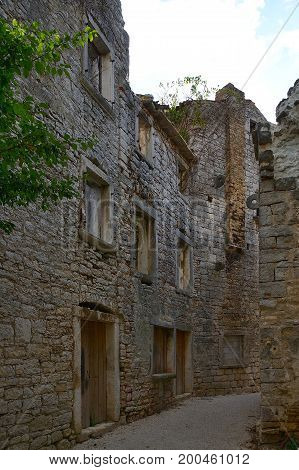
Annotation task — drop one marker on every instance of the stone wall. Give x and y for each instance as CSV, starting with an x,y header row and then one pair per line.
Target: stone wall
x,y
279,274
51,278
46,270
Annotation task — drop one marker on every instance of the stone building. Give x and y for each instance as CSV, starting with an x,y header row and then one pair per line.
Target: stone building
x,y
145,289
279,274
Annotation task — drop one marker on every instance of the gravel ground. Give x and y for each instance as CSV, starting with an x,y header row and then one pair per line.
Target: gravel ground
x,y
196,423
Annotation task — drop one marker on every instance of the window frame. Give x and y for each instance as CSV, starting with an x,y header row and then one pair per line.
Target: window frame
x,y
188,358
239,362
183,174
150,214
104,94
184,240
169,366
97,177
149,156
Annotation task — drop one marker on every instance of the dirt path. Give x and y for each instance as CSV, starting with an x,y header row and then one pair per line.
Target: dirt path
x,y
197,423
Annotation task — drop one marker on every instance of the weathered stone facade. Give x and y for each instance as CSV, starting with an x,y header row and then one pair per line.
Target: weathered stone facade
x,y
279,274
223,178
56,276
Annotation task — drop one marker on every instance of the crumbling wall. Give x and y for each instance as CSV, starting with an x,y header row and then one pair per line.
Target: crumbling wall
x,y
279,274
226,253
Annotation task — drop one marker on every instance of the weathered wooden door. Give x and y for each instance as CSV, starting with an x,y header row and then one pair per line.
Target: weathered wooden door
x,y
180,362
93,373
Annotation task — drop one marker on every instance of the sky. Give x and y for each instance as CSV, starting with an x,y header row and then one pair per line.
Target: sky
x,y
221,40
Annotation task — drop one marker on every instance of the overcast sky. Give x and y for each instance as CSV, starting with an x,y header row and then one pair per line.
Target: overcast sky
x,y
222,40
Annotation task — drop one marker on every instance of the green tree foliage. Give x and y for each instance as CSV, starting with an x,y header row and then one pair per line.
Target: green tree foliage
x,y
32,153
176,95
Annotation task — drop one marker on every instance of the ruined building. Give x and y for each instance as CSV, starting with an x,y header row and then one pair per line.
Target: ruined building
x,y
279,274
146,288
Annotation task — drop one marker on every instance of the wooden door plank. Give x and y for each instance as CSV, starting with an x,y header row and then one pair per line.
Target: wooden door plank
x,y
180,362
85,374
93,373
102,374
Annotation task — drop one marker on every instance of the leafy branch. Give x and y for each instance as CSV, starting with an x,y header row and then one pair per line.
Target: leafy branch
x,y
176,95
32,153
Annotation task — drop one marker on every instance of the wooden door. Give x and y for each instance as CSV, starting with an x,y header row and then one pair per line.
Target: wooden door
x,y
180,362
93,373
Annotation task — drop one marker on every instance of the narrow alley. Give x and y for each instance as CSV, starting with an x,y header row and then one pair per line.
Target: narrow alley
x,y
196,423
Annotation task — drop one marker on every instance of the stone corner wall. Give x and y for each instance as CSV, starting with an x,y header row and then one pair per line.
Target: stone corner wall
x,y
279,274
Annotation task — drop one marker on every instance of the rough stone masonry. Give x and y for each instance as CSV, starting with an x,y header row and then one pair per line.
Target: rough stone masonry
x,y
279,274
145,289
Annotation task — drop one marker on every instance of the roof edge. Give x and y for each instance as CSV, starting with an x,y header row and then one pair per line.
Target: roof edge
x,y
166,125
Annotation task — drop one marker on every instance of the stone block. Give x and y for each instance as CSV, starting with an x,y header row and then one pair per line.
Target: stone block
x,y
39,442
278,231
3,407
273,255
266,185
280,208
268,242
56,436
28,367
286,242
13,393
265,216
275,289
267,272
272,197
282,274
40,351
18,430
7,371
6,332
64,444
285,184
23,329
273,375
41,423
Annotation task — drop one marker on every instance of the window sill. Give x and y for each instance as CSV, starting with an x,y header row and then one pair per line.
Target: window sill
x,y
147,279
187,292
234,249
97,243
144,158
102,102
164,376
233,366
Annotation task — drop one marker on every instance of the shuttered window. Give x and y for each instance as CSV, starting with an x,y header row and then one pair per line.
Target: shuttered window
x,y
163,350
233,350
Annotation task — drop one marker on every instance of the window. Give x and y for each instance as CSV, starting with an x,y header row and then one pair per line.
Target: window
x,y
97,207
183,177
233,351
145,138
98,64
97,202
145,242
95,66
163,350
184,265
